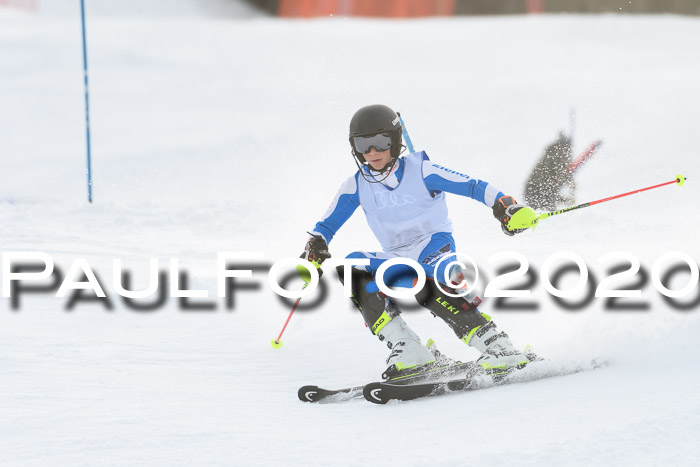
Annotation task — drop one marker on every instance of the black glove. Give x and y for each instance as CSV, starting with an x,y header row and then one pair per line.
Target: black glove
x,y
503,210
316,251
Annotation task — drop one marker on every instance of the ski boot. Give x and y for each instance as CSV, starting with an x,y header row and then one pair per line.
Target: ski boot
x,y
408,355
498,355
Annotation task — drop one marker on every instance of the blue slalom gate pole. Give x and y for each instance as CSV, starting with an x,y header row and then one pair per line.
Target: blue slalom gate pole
x,y
406,138
87,106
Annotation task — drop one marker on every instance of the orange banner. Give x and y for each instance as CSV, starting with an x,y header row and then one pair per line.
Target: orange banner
x,y
367,8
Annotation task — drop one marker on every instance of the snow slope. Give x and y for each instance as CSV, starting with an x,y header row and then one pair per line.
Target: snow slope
x,y
228,135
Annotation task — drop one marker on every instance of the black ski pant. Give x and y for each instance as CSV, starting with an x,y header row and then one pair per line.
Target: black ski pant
x,y
457,312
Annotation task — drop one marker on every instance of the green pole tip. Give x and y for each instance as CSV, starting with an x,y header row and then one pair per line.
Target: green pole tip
x,y
276,344
680,179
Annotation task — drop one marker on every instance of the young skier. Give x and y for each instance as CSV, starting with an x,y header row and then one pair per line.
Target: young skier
x,y
404,202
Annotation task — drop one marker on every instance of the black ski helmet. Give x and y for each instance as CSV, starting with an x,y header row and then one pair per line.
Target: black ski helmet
x,y
375,119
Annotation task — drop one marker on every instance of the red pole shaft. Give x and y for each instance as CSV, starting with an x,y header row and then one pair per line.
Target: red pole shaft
x,y
277,341
680,179
576,163
632,192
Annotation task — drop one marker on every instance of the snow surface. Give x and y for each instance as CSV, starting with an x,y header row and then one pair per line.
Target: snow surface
x,y
230,135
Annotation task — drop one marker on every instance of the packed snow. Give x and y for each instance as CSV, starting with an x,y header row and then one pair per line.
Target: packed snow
x,y
211,133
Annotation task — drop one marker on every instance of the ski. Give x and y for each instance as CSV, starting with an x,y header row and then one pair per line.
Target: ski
x,y
317,394
383,392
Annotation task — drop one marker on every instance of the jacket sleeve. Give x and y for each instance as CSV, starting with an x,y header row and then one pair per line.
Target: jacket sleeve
x,y
438,178
346,200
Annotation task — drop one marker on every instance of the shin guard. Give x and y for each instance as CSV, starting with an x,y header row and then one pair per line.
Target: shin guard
x,y
457,312
376,309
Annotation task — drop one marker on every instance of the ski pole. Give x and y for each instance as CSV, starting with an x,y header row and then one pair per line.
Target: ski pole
x,y
576,163
527,218
306,277
277,343
409,143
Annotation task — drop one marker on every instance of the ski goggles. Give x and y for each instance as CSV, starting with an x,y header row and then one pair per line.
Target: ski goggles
x,y
380,142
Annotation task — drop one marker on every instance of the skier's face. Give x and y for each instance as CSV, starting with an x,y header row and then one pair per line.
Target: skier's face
x,y
377,159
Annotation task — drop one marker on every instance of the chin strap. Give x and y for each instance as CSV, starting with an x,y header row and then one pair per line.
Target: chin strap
x,y
387,168
386,171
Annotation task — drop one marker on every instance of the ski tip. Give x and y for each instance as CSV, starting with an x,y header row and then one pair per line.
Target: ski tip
x,y
680,179
308,393
373,393
276,344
